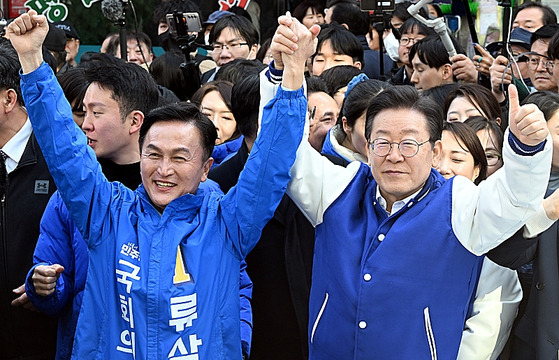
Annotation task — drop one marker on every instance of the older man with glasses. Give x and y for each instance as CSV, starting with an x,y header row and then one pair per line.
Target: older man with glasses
x,y
540,66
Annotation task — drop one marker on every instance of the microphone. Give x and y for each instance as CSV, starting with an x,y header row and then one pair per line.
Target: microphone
x,y
113,10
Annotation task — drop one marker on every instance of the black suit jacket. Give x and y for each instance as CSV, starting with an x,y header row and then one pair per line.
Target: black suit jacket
x,y
538,326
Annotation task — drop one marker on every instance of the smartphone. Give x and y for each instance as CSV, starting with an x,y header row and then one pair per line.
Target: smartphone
x,y
184,23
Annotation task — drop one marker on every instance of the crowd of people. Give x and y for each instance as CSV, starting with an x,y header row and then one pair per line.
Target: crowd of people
x,y
342,190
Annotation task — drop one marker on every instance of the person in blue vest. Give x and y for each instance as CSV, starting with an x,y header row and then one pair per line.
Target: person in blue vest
x,y
138,303
398,247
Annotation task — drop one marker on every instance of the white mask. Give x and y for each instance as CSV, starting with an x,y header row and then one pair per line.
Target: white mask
x,y
391,45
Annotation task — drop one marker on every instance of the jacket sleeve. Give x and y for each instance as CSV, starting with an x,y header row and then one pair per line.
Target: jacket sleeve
x,y
486,215
54,246
315,181
495,306
72,163
250,204
245,292
515,252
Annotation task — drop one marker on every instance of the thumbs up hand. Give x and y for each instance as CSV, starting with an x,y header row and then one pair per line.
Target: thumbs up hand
x,y
526,122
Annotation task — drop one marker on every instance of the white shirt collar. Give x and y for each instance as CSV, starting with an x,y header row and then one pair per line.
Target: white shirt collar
x,y
397,205
16,145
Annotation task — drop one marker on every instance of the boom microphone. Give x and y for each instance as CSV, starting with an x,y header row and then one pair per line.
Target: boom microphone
x,y
113,10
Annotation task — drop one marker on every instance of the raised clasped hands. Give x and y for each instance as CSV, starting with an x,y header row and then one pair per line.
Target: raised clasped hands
x,y
293,43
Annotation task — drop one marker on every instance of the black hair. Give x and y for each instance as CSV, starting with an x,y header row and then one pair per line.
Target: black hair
x,y
74,84
132,86
548,15
439,93
224,88
412,24
358,100
59,57
432,52
261,53
339,76
9,70
316,84
350,14
238,69
401,12
547,101
479,96
187,113
553,48
239,11
167,72
141,38
237,24
438,10
301,10
546,32
113,45
478,123
49,59
245,100
341,41
406,97
168,7
464,134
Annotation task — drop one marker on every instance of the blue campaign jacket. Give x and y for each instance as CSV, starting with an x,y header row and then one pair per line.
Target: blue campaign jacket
x,y
162,285
60,242
224,151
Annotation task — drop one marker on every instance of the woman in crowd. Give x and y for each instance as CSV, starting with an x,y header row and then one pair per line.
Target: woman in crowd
x,y
74,84
309,13
462,153
347,138
498,291
491,137
471,100
337,78
214,99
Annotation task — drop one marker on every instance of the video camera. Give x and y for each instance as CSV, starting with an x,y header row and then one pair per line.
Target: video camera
x,y
181,24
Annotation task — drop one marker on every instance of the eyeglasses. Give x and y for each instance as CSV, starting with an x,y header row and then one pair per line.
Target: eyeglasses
x,y
233,47
407,148
406,40
492,158
520,57
535,62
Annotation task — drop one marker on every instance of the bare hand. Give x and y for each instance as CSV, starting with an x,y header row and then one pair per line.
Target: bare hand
x,y
463,68
486,60
27,33
551,205
526,122
45,278
286,40
22,300
306,44
496,71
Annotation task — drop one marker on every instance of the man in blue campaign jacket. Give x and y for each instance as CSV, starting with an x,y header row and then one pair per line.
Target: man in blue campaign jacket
x,y
137,304
115,103
398,248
